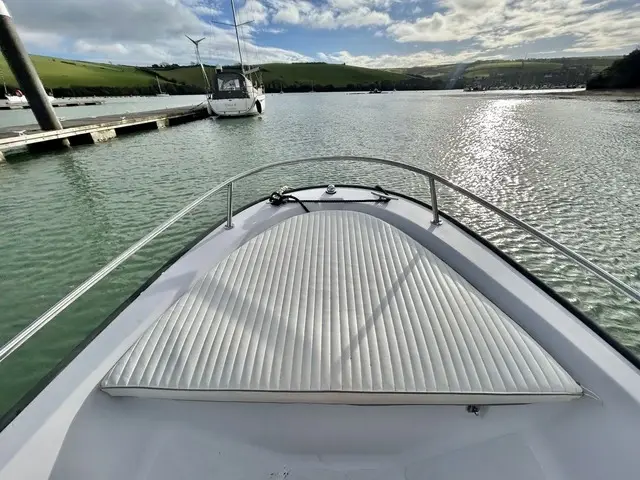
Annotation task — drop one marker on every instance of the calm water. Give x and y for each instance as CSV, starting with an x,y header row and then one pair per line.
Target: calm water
x,y
569,167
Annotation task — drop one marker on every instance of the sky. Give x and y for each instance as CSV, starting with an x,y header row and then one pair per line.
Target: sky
x,y
369,33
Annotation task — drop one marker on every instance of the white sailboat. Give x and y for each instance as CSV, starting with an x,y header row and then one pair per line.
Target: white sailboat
x,y
340,333
233,93
160,92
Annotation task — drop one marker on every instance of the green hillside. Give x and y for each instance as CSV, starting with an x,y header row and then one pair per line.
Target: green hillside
x,y
534,71
338,75
301,76
442,71
485,69
56,72
78,78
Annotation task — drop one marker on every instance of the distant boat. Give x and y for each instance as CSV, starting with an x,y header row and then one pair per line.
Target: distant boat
x,y
19,98
161,93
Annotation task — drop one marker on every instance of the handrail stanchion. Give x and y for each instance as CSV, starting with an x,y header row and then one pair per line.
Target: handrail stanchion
x,y
229,224
434,201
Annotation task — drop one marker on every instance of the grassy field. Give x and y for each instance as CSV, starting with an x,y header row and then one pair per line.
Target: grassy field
x,y
484,69
56,72
431,71
298,73
531,72
492,67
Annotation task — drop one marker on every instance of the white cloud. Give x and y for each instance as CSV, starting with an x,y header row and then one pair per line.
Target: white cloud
x,y
252,11
362,16
331,15
495,24
38,39
108,49
138,32
288,13
425,57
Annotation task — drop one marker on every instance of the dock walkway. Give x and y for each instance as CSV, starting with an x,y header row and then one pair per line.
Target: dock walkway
x,y
81,131
57,102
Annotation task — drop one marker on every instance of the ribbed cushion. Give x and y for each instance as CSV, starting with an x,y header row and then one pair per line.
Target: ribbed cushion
x,y
337,307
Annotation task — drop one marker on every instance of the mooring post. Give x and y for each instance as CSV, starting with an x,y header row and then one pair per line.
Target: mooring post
x,y
25,73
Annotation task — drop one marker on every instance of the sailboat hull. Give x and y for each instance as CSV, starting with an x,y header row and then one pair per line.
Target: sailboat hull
x,y
238,107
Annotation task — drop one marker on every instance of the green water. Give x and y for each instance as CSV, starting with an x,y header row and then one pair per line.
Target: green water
x,y
569,167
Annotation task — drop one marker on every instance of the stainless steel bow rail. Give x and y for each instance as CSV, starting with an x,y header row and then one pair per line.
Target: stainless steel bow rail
x,y
59,307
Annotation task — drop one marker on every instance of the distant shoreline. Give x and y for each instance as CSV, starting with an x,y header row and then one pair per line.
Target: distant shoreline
x,y
632,95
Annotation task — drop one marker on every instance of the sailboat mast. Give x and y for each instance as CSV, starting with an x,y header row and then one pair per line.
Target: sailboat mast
x,y
235,25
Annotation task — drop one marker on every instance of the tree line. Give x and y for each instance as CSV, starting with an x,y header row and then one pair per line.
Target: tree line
x,y
414,83
623,73
82,91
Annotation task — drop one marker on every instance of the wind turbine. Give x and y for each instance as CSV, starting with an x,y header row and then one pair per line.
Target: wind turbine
x,y
199,59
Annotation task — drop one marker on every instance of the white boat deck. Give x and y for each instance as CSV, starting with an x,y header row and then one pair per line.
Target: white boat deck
x,y
350,386
338,307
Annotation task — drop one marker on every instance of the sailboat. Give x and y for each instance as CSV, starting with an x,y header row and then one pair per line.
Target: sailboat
x,y
233,93
160,92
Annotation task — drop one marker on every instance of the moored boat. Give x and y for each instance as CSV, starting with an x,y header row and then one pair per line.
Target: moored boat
x,y
342,332
234,93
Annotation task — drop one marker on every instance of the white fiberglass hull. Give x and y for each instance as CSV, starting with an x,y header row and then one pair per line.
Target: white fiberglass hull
x,y
130,405
22,100
16,100
238,107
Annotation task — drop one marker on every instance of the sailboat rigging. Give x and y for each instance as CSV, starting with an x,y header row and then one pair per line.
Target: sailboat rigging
x,y
233,93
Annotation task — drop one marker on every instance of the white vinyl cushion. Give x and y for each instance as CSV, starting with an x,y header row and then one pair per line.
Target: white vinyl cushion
x,y
337,307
